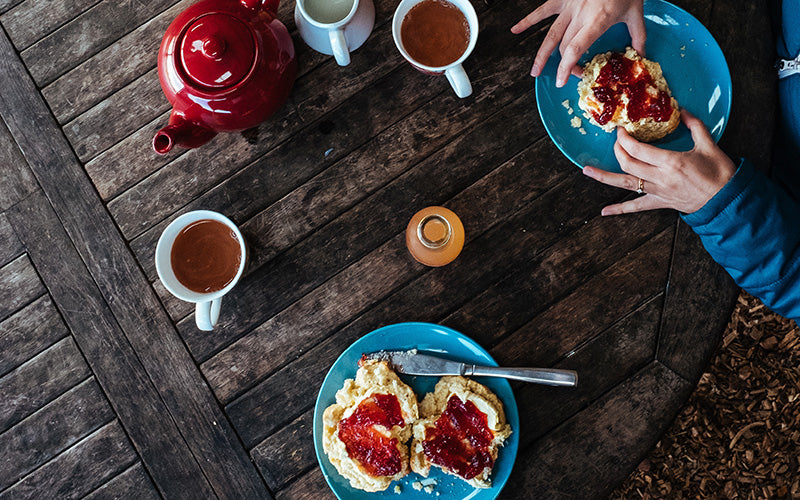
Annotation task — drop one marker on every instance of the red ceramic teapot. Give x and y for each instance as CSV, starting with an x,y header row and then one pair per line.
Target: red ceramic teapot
x,y
224,65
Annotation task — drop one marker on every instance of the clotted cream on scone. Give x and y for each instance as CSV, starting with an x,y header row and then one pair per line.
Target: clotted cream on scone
x,y
461,429
365,432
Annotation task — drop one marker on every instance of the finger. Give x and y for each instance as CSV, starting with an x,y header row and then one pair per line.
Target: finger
x,y
640,204
549,44
638,33
636,167
700,134
623,181
572,48
641,151
544,11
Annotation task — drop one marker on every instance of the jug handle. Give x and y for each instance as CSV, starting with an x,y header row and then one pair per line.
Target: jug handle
x,y
270,6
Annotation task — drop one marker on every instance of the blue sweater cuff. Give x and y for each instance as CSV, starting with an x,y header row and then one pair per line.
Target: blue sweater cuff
x,y
713,207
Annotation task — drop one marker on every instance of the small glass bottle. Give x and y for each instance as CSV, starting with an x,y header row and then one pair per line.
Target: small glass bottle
x,y
435,236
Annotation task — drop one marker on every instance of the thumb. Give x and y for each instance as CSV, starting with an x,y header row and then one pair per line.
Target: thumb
x,y
700,134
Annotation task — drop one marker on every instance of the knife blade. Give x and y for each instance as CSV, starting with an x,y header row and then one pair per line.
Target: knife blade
x,y
413,362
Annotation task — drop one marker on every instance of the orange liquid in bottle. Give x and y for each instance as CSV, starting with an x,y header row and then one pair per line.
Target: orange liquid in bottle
x,y
435,236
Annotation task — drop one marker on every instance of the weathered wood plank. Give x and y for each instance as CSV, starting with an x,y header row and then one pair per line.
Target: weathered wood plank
x,y
359,115
39,381
590,308
539,282
364,227
80,469
254,413
85,35
133,483
160,367
110,69
29,332
10,246
288,453
124,112
136,152
30,21
19,285
17,180
273,342
138,402
699,298
601,439
54,428
390,152
311,486
628,346
7,4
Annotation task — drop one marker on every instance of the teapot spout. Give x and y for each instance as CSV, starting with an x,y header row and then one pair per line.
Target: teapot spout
x,y
181,132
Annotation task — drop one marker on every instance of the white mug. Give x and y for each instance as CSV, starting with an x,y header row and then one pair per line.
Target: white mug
x,y
207,304
327,26
454,71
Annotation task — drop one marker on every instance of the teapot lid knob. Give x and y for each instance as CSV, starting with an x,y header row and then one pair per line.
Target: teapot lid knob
x,y
213,47
217,51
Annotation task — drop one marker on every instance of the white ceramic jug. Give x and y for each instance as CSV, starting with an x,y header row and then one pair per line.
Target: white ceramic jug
x,y
335,27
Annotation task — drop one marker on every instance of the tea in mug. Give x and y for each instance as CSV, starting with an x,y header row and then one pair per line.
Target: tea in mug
x,y
205,256
328,11
435,33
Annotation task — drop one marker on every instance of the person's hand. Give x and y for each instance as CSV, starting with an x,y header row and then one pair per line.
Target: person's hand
x,y
684,181
578,25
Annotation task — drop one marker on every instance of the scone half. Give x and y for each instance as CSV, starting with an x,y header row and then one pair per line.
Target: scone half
x,y
629,91
365,432
461,430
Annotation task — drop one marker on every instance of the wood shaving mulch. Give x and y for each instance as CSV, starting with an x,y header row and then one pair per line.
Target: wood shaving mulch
x,y
739,435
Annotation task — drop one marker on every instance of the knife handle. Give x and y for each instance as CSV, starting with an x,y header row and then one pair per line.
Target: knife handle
x,y
546,376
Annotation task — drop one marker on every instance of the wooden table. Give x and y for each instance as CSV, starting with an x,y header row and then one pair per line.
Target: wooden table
x,y
106,386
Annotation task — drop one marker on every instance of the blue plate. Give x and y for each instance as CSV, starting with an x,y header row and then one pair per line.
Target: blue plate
x,y
693,65
434,339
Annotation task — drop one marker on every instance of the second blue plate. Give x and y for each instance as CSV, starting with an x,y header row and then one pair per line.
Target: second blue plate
x,y
693,65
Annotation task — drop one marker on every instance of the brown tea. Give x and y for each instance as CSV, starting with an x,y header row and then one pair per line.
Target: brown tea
x,y
435,33
205,256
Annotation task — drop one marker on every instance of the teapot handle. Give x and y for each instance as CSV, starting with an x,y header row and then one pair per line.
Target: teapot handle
x,y
267,5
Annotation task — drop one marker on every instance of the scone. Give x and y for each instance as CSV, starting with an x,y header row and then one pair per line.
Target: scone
x,y
365,432
629,91
461,430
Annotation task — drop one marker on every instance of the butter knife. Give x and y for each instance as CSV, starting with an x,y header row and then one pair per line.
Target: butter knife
x,y
413,363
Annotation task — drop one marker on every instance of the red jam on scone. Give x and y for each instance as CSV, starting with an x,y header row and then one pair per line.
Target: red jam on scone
x,y
365,432
461,430
629,91
460,440
363,435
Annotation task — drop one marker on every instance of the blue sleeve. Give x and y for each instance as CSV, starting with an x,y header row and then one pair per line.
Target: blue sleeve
x,y
752,228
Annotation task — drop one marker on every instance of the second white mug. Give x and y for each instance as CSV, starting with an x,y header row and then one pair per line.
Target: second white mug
x,y
335,27
454,71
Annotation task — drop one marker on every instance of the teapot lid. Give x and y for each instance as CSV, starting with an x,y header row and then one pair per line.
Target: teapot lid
x,y
217,51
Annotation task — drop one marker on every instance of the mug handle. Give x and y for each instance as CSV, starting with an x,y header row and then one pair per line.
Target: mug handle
x,y
339,46
206,314
459,80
